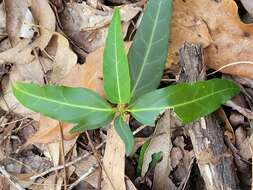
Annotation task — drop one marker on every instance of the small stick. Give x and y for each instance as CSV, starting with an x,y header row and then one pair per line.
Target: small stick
x,y
11,179
63,157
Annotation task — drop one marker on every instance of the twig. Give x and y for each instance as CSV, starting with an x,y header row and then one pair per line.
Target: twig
x,y
63,157
77,159
11,179
139,129
86,174
230,65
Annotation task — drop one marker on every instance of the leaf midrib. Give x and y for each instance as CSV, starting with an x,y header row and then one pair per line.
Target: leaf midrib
x,y
148,50
182,104
63,103
116,60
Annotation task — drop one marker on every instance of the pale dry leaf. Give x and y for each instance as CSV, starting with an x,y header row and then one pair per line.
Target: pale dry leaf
x,y
4,185
89,30
45,18
224,42
114,162
2,22
27,31
64,57
16,11
54,151
5,44
248,5
85,165
242,143
161,142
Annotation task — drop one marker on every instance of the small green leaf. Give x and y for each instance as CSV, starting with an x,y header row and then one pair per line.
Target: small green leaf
x,y
115,65
189,101
125,134
73,105
148,52
156,157
141,157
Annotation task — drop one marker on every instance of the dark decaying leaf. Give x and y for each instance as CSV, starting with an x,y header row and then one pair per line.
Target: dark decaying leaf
x,y
148,52
73,105
189,101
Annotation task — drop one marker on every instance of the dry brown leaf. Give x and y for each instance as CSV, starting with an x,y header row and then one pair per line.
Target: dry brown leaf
x,y
220,30
49,132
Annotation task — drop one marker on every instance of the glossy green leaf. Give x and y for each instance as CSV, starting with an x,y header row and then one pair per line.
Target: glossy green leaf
x,y
189,101
125,134
115,64
81,127
141,157
73,105
148,52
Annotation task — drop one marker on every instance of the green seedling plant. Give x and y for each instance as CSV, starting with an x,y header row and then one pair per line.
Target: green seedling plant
x,y
130,84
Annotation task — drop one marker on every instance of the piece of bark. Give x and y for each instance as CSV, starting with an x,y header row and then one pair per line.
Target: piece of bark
x,y
214,160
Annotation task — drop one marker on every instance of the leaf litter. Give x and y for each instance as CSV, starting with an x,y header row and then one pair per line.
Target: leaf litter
x,y
45,54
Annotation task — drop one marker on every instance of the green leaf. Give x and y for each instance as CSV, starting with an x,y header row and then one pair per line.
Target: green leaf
x,y
141,157
81,127
189,101
115,65
148,52
156,157
125,134
73,105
